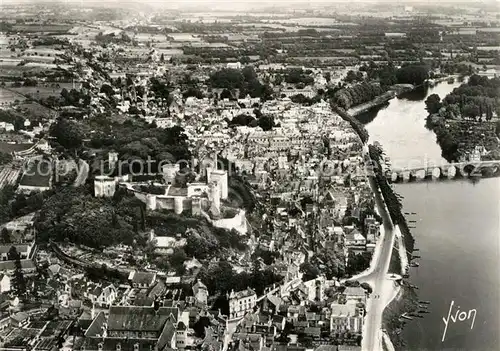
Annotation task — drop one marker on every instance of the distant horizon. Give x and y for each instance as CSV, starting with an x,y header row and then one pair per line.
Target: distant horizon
x,y
252,3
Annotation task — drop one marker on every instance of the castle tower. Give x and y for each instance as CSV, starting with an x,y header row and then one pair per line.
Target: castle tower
x,y
133,94
152,235
214,197
145,99
220,177
151,202
112,158
200,292
169,172
196,206
178,204
104,186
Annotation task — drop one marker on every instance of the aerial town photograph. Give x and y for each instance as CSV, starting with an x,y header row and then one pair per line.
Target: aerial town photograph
x,y
228,175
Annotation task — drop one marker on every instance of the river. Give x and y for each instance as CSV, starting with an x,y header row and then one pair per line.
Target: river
x,y
457,232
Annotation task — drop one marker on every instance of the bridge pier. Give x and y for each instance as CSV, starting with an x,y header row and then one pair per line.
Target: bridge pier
x,y
420,174
451,172
406,176
436,173
394,177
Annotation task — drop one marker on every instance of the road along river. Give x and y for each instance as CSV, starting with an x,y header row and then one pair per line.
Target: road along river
x,y
457,229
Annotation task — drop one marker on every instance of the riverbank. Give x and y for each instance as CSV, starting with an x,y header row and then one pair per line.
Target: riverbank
x,y
400,255
358,127
406,301
394,91
391,199
377,102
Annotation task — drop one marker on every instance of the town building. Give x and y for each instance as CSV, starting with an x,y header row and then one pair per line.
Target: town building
x,y
241,302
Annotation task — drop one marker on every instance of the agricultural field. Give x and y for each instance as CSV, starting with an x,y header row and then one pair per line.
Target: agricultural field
x,y
8,147
7,97
50,28
36,111
8,175
37,174
9,68
40,92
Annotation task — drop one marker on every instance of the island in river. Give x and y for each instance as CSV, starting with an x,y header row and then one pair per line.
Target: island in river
x,y
467,120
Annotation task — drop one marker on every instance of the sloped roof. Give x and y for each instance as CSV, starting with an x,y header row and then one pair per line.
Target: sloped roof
x,y
199,285
110,344
166,335
144,301
95,327
355,291
243,293
140,318
143,278
55,268
347,310
20,316
275,300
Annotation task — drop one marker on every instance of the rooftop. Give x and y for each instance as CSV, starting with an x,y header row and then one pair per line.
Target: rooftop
x,y
140,318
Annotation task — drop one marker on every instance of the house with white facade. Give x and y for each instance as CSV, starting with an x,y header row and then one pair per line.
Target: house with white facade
x,y
241,302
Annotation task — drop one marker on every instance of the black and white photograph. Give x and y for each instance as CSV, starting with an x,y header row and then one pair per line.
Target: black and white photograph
x,y
229,175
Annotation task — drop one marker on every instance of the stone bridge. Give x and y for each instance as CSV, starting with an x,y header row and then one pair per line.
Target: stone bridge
x,y
465,169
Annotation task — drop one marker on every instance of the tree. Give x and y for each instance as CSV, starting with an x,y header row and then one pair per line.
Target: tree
x,y
296,75
367,287
227,78
5,158
193,91
433,103
243,120
471,110
328,76
19,282
310,271
266,122
5,236
177,258
107,89
67,133
412,74
226,94
353,77
358,263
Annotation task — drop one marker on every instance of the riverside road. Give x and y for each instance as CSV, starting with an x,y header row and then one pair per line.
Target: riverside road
x,y
378,277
